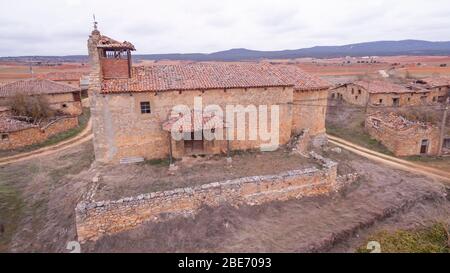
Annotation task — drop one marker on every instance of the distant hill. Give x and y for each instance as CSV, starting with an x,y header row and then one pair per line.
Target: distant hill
x,y
379,48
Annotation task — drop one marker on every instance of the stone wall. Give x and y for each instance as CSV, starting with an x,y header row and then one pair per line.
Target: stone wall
x,y
357,95
309,111
121,130
114,68
94,219
35,135
403,142
63,102
350,93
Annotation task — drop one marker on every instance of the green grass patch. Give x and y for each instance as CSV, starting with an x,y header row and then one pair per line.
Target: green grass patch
x,y
157,162
419,158
82,123
432,239
11,206
358,136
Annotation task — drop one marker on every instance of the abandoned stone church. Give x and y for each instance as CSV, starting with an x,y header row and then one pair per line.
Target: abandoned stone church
x,y
131,105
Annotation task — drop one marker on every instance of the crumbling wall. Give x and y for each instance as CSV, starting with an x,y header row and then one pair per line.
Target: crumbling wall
x,y
35,135
94,219
403,142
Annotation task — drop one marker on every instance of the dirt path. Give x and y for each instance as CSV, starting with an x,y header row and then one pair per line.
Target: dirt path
x,y
390,160
84,136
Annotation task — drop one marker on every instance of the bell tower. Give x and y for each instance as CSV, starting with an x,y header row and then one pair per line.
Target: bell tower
x,y
115,58
109,59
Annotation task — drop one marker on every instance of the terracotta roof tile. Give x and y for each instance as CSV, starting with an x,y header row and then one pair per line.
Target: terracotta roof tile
x,y
35,87
301,79
106,42
437,81
395,121
211,76
196,121
379,86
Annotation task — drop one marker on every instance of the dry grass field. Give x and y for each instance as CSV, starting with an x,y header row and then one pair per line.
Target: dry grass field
x,y
10,72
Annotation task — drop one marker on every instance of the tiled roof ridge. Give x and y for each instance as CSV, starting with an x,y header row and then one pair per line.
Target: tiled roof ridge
x,y
36,86
204,76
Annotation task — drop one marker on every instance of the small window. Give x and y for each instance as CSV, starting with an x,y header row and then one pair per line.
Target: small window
x,y
5,137
395,102
145,107
333,95
434,99
64,105
353,91
359,91
381,100
356,97
409,99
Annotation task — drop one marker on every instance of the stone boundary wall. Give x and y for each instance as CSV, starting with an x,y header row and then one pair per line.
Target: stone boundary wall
x,y
94,219
35,135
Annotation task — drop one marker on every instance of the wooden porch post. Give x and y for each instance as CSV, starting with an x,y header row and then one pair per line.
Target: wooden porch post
x,y
170,149
228,152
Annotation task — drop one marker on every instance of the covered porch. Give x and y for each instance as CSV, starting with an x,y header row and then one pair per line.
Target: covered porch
x,y
196,133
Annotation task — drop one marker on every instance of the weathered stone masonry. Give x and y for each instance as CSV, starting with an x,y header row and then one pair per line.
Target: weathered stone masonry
x,y
35,135
95,219
117,89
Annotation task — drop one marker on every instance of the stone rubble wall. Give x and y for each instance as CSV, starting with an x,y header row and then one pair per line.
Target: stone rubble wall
x,y
403,142
35,135
94,219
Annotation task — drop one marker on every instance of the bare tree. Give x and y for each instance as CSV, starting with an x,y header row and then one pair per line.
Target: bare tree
x,y
34,107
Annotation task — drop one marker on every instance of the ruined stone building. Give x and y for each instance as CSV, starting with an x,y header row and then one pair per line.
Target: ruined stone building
x,y
437,85
383,93
62,97
131,106
404,137
16,132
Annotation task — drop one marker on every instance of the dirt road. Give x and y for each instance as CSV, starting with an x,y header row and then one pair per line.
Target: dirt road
x,y
84,136
390,160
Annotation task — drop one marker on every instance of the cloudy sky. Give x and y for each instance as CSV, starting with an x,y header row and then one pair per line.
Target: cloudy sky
x,y
61,27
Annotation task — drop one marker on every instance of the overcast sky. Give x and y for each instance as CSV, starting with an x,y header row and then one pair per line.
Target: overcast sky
x,y
61,27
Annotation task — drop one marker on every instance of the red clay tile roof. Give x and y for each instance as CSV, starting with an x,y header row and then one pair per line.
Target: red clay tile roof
x,y
35,87
8,125
211,76
63,76
379,86
437,81
196,121
301,79
106,42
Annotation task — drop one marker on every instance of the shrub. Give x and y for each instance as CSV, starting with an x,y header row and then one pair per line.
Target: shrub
x,y
433,239
34,107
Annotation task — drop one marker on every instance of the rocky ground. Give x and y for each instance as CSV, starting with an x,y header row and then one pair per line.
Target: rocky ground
x,y
382,199
37,200
133,179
